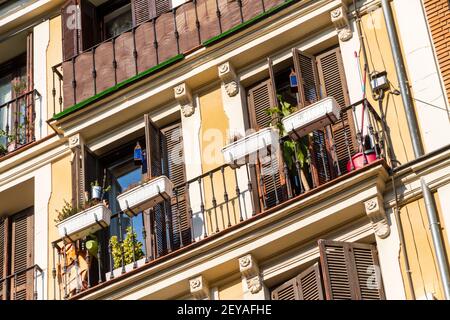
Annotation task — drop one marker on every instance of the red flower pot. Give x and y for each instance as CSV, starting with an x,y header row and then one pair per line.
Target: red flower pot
x,y
358,160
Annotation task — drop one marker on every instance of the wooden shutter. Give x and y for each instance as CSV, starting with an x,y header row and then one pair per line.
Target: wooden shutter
x,y
309,284
78,185
3,256
260,98
144,10
153,148
307,81
306,286
71,41
22,235
174,169
287,291
333,83
90,25
350,271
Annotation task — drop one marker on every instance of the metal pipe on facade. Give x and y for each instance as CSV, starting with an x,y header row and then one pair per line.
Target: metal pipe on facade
x,y
402,79
436,235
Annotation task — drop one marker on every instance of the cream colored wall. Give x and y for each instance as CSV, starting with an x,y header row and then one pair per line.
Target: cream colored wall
x,y
419,246
380,59
61,190
231,290
54,56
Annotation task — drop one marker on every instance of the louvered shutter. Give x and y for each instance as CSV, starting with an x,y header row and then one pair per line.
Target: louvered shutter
x,y
334,84
3,257
144,10
22,235
287,291
153,139
260,98
309,284
307,83
71,27
93,170
174,169
78,185
350,271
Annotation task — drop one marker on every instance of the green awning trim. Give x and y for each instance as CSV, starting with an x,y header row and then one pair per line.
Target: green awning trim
x,y
118,86
247,23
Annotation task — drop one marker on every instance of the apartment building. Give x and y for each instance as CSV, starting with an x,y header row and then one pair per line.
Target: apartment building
x,y
224,149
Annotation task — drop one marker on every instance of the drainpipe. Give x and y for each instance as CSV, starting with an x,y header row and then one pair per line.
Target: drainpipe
x,y
402,79
438,242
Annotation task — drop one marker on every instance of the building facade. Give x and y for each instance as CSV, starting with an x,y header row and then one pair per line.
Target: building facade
x,y
217,149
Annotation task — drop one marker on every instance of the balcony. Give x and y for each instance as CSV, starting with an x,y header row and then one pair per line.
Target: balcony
x,y
219,201
17,122
150,46
26,284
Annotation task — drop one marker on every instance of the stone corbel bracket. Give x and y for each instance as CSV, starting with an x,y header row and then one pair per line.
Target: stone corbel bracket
x,y
229,78
183,95
340,20
377,215
75,141
199,288
250,270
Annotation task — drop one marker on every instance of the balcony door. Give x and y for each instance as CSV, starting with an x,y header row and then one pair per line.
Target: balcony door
x,y
16,256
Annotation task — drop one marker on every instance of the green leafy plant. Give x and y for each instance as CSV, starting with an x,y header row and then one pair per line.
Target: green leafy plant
x,y
126,247
293,150
67,211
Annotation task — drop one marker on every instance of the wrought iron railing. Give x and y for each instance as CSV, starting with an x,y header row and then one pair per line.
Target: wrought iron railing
x,y
17,122
216,201
23,284
151,43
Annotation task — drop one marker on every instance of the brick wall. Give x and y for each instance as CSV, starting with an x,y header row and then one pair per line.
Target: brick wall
x,y
438,15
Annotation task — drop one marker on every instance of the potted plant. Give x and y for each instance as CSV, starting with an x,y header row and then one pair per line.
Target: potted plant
x,y
144,195
76,223
97,191
125,249
293,150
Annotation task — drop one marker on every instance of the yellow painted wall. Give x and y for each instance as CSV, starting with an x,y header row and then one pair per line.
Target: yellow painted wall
x,y
231,291
54,56
380,59
214,135
419,246
61,190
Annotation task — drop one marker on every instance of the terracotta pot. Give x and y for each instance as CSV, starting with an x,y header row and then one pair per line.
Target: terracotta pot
x,y
359,159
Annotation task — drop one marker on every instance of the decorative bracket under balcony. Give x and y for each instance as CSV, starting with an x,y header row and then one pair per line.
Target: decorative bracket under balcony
x,y
229,78
377,215
250,271
184,97
75,141
199,288
340,20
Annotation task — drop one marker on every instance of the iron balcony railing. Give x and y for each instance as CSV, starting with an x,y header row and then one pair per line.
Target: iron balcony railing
x,y
23,284
17,122
151,43
215,202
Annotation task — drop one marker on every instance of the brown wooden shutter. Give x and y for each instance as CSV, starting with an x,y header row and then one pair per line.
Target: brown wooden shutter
x,y
144,10
90,25
174,169
78,185
309,284
350,271
307,81
287,291
22,254
306,286
260,98
334,84
153,148
3,256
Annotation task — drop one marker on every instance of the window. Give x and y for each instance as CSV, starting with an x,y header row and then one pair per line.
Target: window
x,y
118,21
16,256
318,77
347,271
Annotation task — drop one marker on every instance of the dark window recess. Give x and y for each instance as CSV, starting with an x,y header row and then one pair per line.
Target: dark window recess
x,y
346,271
16,256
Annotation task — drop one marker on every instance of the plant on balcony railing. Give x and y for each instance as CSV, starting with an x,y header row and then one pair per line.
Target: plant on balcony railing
x,y
295,152
130,249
